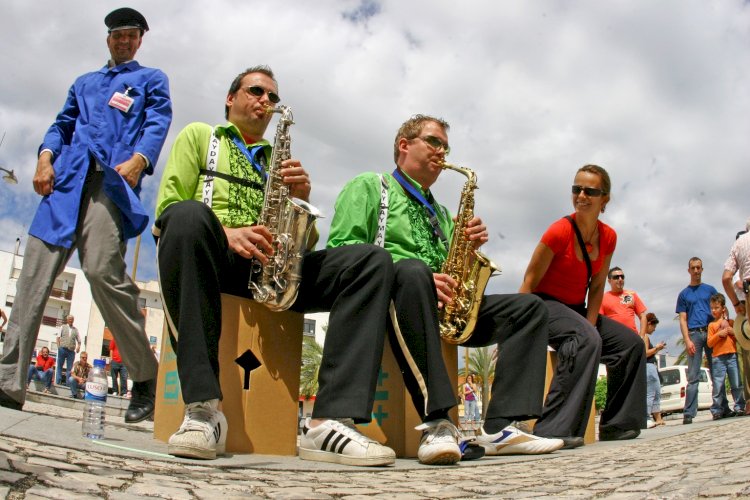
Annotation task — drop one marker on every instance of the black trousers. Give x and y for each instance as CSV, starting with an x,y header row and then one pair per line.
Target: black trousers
x,y
568,404
196,266
517,323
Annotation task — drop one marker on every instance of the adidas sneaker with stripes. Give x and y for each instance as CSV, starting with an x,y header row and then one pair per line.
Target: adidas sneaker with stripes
x,y
339,441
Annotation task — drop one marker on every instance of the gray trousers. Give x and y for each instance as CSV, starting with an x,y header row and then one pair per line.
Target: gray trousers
x,y
101,250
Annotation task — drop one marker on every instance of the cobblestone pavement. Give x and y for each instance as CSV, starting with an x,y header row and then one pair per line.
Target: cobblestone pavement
x,y
703,460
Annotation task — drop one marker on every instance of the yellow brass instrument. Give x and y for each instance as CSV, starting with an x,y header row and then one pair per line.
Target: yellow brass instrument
x,y
470,268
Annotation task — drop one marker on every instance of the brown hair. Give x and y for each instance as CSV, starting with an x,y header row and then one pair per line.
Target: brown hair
x,y
412,127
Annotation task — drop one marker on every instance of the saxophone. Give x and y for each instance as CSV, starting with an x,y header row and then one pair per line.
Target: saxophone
x,y
470,268
289,220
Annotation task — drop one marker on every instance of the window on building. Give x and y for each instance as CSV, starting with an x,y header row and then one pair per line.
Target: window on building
x,y
308,327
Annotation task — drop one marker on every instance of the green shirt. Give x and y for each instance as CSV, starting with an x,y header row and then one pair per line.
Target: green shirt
x,y
408,233
234,204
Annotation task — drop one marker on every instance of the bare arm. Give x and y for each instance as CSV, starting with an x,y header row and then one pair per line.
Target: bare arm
x,y
596,290
643,324
726,281
685,336
537,268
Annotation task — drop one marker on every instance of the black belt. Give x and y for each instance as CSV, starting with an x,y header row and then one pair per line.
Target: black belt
x,y
699,329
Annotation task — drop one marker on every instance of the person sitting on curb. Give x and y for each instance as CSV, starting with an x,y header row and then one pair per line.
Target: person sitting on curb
x,y
79,375
44,370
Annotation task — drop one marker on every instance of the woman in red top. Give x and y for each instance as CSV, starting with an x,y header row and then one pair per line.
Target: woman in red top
x,y
559,274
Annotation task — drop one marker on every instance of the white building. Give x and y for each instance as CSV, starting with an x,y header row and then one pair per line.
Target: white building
x,y
71,294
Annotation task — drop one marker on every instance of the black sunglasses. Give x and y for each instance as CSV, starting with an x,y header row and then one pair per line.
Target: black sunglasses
x,y
436,143
593,192
618,277
654,322
259,91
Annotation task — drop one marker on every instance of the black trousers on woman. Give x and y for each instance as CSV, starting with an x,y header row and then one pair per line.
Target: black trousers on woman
x,y
517,323
568,404
354,283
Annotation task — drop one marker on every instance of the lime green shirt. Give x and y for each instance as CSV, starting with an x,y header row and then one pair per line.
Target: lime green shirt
x,y
408,233
234,204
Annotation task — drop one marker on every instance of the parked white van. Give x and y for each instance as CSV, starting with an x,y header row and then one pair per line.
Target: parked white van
x,y
674,384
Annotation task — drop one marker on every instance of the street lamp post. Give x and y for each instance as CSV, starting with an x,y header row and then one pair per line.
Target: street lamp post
x,y
9,176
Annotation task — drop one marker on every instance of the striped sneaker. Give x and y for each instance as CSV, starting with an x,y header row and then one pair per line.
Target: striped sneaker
x,y
203,433
513,441
339,442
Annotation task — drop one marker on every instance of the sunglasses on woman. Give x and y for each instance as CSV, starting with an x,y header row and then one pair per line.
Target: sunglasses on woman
x,y
592,192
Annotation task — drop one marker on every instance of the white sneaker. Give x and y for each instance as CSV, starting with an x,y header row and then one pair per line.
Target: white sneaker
x,y
513,441
650,424
439,444
339,442
203,433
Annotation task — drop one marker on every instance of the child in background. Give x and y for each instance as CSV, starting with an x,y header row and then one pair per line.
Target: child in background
x,y
724,359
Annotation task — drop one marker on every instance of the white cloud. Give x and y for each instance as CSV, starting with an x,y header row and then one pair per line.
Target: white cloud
x,y
656,92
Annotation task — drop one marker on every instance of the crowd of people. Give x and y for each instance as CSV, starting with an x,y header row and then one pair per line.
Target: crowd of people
x,y
380,276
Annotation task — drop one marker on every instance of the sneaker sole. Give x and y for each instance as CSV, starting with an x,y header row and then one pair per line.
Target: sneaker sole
x,y
530,448
194,452
336,458
442,458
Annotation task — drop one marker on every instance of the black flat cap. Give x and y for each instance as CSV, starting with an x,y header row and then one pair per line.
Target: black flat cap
x,y
125,18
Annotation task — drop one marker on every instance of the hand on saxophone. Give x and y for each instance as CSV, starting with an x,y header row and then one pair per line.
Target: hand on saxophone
x,y
296,178
444,285
476,231
250,242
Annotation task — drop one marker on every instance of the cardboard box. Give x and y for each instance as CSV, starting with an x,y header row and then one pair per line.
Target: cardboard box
x,y
393,415
264,418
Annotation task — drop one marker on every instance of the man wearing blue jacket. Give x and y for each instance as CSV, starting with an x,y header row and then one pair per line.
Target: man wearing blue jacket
x,y
108,135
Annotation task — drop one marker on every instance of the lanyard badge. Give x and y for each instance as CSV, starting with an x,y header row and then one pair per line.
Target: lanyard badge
x,y
122,101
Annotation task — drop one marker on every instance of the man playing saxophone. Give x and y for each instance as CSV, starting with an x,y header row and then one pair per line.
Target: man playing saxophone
x,y
207,210
397,211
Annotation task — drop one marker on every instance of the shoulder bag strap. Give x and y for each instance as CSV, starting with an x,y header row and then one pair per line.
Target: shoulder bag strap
x,y
583,249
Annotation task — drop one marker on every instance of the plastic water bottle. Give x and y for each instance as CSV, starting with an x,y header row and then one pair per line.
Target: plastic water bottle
x,y
96,399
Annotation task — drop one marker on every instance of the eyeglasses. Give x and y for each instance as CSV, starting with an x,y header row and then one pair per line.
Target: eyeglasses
x,y
618,277
259,91
656,322
436,143
592,192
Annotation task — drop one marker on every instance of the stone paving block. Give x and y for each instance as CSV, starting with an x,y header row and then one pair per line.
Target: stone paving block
x,y
54,464
294,493
7,476
643,486
57,494
83,477
69,483
728,490
121,495
156,490
211,495
22,466
7,446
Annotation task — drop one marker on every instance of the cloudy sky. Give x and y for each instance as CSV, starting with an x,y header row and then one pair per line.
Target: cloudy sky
x,y
656,92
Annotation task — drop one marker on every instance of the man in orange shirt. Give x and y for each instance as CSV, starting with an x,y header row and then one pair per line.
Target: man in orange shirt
x,y
43,370
623,305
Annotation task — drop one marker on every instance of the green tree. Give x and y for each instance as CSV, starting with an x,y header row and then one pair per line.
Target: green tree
x,y
600,393
312,354
482,364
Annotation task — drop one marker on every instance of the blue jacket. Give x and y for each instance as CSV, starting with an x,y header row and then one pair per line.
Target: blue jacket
x,y
88,127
